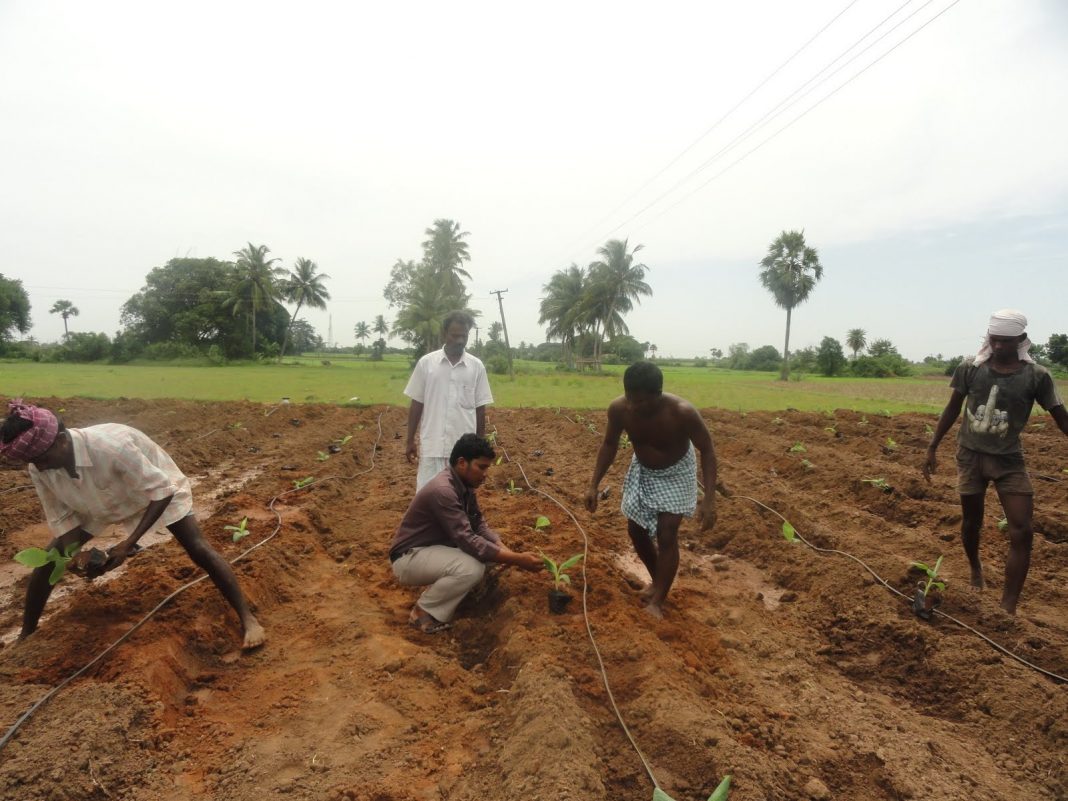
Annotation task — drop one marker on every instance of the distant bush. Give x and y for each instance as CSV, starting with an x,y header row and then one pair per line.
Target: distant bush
x,y
165,351
84,347
888,365
952,365
699,362
498,365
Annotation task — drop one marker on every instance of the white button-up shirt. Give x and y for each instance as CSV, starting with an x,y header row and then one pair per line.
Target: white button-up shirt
x,y
120,471
450,394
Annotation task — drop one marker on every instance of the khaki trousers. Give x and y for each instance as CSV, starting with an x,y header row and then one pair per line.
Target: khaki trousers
x,y
450,572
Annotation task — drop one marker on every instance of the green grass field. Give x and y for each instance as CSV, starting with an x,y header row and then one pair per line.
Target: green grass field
x,y
536,384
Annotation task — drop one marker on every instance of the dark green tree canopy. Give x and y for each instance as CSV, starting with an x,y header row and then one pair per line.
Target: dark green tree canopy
x,y
14,308
189,301
830,358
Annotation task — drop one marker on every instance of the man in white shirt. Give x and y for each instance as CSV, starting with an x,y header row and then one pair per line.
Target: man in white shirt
x,y
89,478
449,393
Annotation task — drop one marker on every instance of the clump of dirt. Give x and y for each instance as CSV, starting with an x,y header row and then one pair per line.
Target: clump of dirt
x,y
791,669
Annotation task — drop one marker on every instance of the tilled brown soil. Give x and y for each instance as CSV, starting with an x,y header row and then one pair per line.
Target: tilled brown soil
x,y
792,670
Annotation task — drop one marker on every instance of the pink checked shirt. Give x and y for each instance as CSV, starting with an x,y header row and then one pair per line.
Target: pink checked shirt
x,y
120,471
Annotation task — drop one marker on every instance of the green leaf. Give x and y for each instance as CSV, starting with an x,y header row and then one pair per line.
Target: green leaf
x,y
941,585
722,791
660,795
925,568
32,557
789,533
499,460
239,533
564,578
542,522
72,549
574,560
58,569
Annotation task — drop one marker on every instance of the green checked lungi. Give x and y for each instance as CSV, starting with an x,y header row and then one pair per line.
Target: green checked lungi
x,y
647,492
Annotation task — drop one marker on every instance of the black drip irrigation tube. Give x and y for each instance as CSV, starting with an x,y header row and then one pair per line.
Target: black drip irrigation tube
x,y
887,585
99,657
881,580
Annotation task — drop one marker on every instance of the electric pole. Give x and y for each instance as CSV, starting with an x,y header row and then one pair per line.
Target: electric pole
x,y
504,325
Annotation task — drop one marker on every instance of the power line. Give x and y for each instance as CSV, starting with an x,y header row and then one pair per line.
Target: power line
x,y
718,122
809,109
791,99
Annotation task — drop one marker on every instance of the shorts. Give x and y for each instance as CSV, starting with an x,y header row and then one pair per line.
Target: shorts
x,y
1007,470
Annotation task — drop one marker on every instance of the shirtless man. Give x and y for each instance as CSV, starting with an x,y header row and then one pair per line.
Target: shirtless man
x,y
661,483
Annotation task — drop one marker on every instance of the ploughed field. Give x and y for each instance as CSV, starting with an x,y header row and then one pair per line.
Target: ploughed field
x,y
792,670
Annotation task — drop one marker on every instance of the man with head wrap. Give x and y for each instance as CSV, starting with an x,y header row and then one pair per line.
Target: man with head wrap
x,y
997,389
89,478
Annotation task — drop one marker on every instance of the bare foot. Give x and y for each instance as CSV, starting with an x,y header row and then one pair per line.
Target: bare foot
x,y
655,610
1009,606
255,636
977,578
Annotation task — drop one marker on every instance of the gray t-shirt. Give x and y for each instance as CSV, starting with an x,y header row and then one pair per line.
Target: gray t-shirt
x,y
997,405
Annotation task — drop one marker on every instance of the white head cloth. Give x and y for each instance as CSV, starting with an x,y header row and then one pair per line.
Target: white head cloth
x,y
1005,323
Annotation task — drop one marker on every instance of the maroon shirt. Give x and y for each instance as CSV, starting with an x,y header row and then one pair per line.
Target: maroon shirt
x,y
445,512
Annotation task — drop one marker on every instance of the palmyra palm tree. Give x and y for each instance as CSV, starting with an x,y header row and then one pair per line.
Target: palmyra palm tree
x,y
257,283
790,271
65,309
856,339
304,288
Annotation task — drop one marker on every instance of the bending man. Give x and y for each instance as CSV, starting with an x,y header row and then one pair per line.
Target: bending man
x,y
89,478
661,483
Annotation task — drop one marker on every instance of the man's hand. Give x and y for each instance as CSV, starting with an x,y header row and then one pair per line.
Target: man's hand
x,y
708,513
117,555
529,561
591,500
411,453
930,463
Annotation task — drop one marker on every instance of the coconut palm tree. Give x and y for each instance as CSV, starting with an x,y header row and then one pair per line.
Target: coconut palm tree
x,y
445,251
615,284
305,288
65,309
362,332
428,303
257,283
856,340
562,308
380,326
789,272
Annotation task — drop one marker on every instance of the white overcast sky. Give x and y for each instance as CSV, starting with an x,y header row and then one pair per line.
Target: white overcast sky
x,y
934,184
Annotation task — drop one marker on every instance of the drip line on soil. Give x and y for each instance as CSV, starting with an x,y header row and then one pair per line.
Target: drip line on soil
x,y
278,527
896,591
876,576
586,616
